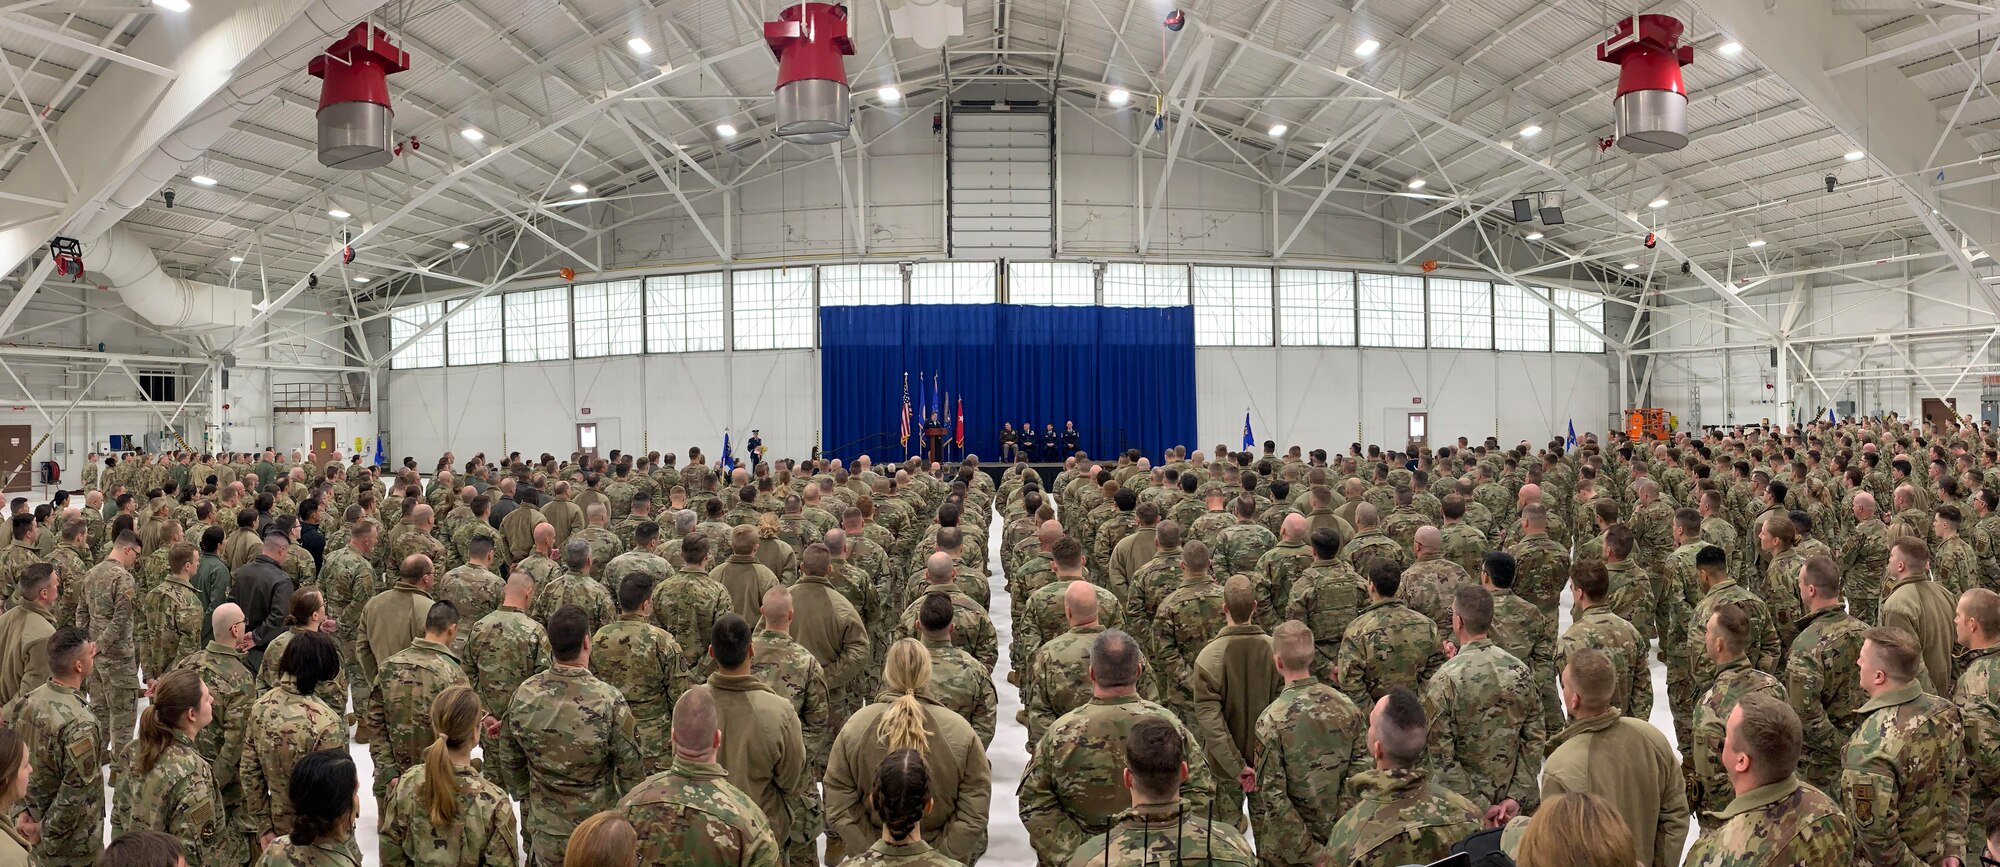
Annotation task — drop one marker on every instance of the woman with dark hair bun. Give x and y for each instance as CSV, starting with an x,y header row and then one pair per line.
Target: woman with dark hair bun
x,y
326,798
14,770
901,797
308,614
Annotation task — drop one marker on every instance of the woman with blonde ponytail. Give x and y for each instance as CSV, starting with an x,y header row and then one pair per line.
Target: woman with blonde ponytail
x,y
444,814
169,787
906,717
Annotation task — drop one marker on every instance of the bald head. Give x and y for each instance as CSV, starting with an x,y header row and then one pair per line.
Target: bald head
x,y
1365,517
777,608
423,516
225,618
1530,493
695,728
545,536
938,568
1293,529
596,514
1430,539
1048,533
1080,603
1864,505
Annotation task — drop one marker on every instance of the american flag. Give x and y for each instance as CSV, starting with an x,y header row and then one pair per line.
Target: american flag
x,y
906,408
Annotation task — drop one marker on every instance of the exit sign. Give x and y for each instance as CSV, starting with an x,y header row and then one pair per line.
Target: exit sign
x,y
1416,401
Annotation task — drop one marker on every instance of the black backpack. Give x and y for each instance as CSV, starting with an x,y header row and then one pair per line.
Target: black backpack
x,y
1479,850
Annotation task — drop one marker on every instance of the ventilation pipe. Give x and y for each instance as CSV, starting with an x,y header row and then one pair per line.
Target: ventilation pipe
x,y
809,41
120,260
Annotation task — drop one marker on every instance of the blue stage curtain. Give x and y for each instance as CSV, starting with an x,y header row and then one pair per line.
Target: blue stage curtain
x,y
1125,375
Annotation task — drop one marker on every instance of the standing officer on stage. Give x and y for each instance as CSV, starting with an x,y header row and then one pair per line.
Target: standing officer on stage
x,y
1069,441
756,447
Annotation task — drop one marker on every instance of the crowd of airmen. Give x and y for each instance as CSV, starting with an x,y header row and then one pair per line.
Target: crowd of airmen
x,y
1354,657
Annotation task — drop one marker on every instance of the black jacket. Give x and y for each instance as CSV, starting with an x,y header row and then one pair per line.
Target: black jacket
x,y
501,507
264,589
314,541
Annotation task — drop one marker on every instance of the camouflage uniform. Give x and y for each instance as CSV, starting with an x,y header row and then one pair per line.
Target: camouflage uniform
x,y
1786,822
475,592
485,832
66,788
14,558
1239,547
686,605
1187,621
1693,671
1165,834
604,547
1043,616
972,628
1071,790
399,707
1733,680
1631,596
1150,587
1276,571
1428,586
1326,596
794,674
646,665
1863,560
179,797
1541,568
645,562
502,651
689,815
234,689
1388,645
110,610
1310,739
70,569
571,588
1823,682
348,581
147,573
1955,565
1601,629
1900,779
169,625
1402,817
960,683
1372,544
283,726
1465,545
570,751
1977,695
1486,727
1058,680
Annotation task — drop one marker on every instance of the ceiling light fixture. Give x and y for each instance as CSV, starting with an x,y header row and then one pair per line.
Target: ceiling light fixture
x,y
202,181
1367,48
888,93
1534,236
1730,49
1530,131
638,46
578,189
1755,243
460,245
1631,266
1278,130
725,130
1118,96
360,279
338,213
1658,203
1416,183
472,133
173,5
1853,156
237,259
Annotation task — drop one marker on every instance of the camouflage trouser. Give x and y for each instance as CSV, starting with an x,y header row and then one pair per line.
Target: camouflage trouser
x,y
545,849
1552,711
114,700
1681,696
1227,807
1866,609
656,749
